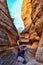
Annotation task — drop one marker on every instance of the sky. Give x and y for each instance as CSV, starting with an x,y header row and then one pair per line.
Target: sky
x,y
15,12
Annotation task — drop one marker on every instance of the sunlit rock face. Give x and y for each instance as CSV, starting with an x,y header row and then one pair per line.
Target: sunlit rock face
x,y
26,12
34,52
36,13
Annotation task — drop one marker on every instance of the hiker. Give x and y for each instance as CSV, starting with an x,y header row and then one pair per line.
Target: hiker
x,y
21,52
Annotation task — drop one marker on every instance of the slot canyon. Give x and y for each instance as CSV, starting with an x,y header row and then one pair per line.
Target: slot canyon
x,y
30,39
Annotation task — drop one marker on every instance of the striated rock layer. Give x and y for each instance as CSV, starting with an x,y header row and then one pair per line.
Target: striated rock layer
x,y
34,52
26,13
31,38
8,32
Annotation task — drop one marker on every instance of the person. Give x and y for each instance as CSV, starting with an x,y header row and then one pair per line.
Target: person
x,y
21,54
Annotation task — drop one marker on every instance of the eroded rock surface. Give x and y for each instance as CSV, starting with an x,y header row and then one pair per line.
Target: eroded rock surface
x,y
31,37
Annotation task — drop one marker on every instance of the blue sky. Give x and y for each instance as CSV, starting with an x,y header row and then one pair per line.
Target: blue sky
x,y
15,12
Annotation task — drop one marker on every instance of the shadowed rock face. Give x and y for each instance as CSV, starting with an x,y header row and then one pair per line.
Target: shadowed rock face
x,y
8,58
39,53
8,32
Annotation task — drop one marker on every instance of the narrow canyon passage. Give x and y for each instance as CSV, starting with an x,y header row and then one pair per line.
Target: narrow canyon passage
x,y
15,12
30,38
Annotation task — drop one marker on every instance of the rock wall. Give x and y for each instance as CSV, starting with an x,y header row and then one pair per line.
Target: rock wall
x,y
31,37
34,52
26,13
8,32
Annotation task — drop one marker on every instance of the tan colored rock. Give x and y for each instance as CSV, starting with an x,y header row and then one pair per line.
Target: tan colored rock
x,y
8,32
33,36
26,13
24,38
35,44
36,10
32,33
39,25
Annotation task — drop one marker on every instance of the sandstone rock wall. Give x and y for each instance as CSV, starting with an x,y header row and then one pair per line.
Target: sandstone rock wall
x,y
31,37
8,32
34,53
26,13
